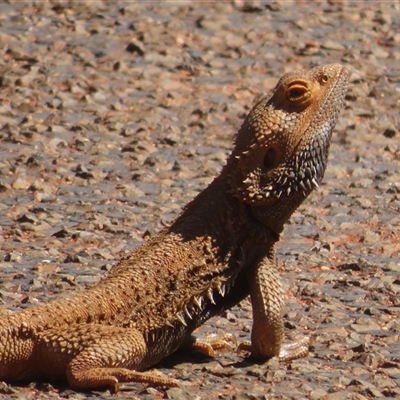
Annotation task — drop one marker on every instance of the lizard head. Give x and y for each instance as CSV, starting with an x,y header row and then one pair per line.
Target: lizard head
x,y
281,150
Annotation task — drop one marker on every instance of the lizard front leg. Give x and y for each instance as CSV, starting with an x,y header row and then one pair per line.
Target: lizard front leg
x,y
267,298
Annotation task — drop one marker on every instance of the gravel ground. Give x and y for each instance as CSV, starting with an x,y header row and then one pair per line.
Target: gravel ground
x,y
115,114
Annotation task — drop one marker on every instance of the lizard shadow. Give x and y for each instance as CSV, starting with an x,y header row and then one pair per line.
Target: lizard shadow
x,y
189,362
60,387
200,358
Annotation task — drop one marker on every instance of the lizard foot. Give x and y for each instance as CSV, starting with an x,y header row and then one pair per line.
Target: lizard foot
x,y
112,377
294,350
288,351
211,343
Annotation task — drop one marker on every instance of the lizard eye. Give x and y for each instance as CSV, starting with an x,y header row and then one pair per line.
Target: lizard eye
x,y
294,93
270,158
298,93
325,78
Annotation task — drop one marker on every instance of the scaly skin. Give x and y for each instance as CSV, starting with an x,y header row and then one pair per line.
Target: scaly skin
x,y
219,250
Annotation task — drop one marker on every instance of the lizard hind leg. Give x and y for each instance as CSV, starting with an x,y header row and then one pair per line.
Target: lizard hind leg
x,y
104,356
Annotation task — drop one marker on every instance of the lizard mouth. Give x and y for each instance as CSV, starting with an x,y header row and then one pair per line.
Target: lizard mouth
x,y
311,153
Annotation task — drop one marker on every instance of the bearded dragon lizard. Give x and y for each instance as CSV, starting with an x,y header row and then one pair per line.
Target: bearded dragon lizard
x,y
218,251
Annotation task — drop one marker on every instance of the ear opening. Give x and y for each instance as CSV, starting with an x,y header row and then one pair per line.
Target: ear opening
x,y
270,158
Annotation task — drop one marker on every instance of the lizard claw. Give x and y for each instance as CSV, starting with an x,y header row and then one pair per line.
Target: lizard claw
x,y
213,342
244,346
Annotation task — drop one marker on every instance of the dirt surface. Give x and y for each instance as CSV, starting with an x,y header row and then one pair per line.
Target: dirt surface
x,y
115,114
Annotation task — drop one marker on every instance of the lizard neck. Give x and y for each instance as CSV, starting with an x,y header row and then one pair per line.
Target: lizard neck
x,y
272,209
217,211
